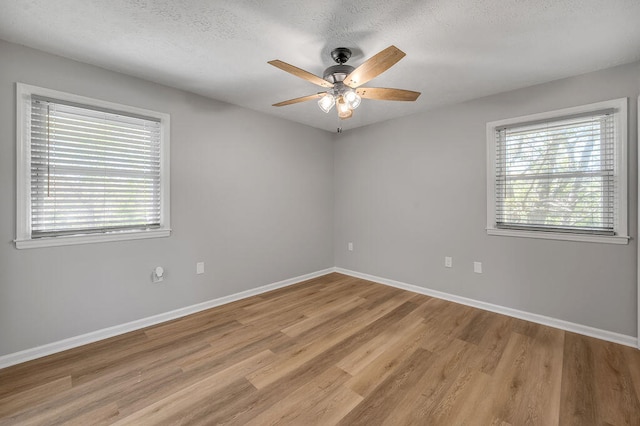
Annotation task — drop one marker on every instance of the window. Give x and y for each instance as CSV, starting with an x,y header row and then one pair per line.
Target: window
x,y
560,175
89,170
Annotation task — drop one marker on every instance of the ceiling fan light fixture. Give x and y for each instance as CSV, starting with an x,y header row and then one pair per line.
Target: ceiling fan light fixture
x,y
326,102
344,111
353,99
344,116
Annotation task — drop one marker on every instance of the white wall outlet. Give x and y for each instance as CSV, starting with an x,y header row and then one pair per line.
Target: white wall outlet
x,y
448,262
477,267
350,246
200,268
158,274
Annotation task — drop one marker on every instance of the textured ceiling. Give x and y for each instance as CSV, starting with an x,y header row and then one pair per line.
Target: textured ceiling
x,y
456,49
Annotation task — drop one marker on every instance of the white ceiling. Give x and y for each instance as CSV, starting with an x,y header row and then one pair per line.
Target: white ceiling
x,y
456,49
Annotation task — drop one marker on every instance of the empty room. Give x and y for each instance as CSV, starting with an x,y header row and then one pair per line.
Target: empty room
x,y
327,213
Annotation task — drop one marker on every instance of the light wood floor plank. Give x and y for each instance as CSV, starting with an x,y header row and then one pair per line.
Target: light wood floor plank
x,y
380,368
332,350
428,399
15,402
323,400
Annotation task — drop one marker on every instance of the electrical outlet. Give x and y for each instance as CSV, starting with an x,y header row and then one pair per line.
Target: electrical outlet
x,y
477,267
350,246
200,268
158,274
448,262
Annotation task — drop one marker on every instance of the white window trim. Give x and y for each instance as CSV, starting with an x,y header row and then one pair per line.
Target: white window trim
x,y
23,172
620,117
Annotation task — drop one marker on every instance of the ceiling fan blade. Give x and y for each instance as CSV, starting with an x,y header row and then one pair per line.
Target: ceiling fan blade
x,y
298,72
384,94
374,66
297,100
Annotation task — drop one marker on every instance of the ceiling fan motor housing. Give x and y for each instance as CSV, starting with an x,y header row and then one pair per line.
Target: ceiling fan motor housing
x,y
337,73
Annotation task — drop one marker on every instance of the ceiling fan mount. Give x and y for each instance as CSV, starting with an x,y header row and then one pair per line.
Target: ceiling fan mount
x,y
342,82
341,54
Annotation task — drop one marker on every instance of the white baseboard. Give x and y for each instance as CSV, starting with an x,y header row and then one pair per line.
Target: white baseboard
x,y
73,342
609,336
94,336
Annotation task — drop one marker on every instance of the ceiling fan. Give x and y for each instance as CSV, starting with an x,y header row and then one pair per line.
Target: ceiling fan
x,y
343,81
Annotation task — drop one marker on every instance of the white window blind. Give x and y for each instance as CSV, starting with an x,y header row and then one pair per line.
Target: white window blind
x,y
92,170
557,175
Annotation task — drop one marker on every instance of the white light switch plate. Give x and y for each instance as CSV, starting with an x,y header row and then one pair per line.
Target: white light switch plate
x,y
200,268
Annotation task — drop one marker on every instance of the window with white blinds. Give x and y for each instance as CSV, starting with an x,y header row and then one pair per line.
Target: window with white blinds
x,y
560,174
92,170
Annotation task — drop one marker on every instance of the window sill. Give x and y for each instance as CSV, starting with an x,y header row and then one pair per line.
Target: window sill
x,y
90,238
616,239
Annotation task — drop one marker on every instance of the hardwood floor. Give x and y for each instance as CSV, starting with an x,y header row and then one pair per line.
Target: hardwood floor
x,y
332,350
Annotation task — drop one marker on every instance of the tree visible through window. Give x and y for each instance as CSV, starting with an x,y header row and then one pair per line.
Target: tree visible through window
x,y
559,173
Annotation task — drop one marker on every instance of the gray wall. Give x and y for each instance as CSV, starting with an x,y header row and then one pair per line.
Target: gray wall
x,y
409,192
261,200
251,195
